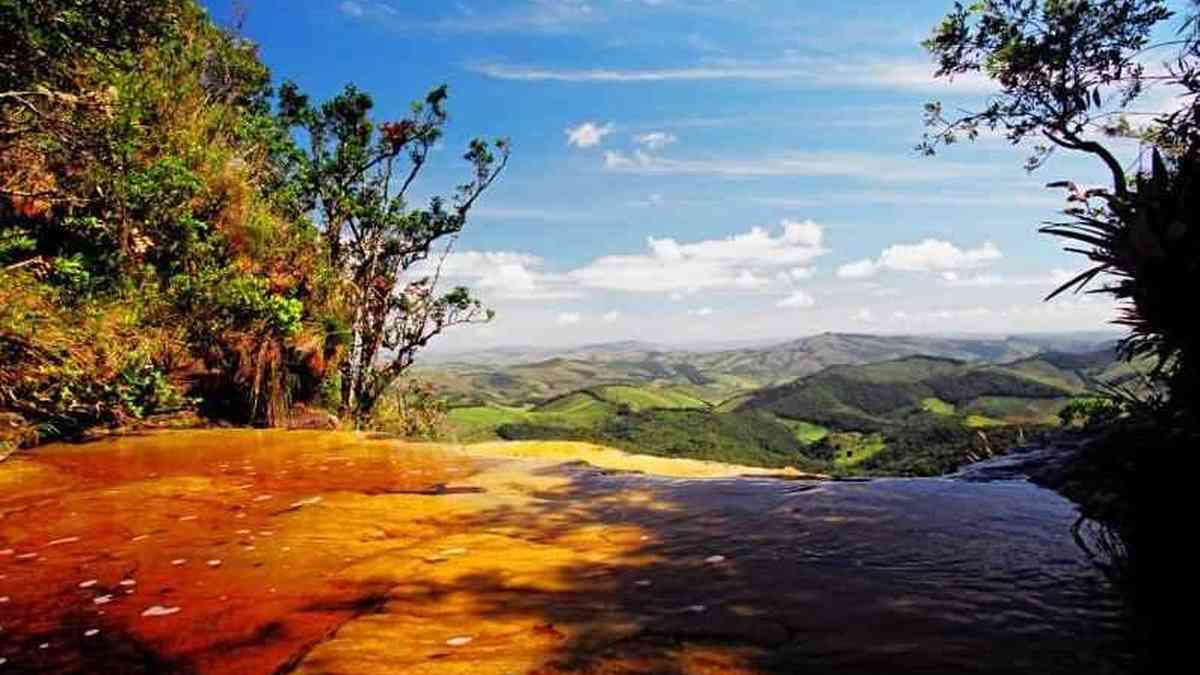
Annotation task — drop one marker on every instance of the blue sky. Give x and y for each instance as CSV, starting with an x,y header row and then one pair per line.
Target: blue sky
x,y
694,170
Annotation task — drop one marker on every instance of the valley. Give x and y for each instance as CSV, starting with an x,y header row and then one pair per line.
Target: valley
x,y
843,404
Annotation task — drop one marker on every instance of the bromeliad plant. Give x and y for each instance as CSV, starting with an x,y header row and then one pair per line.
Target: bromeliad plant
x,y
1069,74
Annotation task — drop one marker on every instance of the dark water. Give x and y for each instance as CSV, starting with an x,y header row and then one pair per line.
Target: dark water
x,y
975,573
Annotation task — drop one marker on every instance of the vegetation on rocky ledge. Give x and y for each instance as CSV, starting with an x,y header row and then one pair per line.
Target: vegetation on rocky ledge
x,y
166,244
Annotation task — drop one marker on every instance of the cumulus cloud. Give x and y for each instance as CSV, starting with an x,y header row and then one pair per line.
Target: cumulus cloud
x,y
797,300
743,261
859,269
588,134
930,255
504,275
702,311
656,140
569,318
1056,277
933,255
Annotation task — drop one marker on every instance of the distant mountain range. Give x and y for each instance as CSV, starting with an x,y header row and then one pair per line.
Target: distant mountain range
x,y
529,375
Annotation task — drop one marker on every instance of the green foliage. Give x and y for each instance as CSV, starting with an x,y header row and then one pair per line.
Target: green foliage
x,y
66,368
1069,73
1088,411
146,190
411,410
937,406
646,398
723,437
882,396
937,446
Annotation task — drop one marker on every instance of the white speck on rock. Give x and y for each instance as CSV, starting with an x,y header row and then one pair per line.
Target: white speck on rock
x,y
179,561
459,641
89,583
128,582
102,599
91,632
305,502
214,563
714,559
159,610
64,540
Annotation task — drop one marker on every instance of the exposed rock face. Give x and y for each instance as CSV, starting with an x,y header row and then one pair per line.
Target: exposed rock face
x,y
328,552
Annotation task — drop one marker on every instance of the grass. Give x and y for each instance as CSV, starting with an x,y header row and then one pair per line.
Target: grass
x,y
805,432
937,407
982,422
480,422
578,409
1015,409
853,448
649,398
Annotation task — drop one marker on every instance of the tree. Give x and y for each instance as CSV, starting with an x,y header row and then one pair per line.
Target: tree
x,y
1069,74
354,179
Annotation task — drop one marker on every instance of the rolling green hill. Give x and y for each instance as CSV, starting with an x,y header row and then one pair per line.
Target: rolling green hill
x,y
909,414
882,396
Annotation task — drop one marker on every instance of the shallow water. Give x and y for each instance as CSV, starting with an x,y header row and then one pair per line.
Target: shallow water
x,y
260,552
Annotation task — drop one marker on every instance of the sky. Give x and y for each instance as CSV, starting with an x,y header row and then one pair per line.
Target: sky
x,y
687,171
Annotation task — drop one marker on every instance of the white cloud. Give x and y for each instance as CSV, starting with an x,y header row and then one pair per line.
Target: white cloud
x,y
588,134
569,318
610,317
703,311
910,75
892,167
535,16
352,9
859,269
739,262
1056,277
502,275
864,315
656,140
797,300
930,255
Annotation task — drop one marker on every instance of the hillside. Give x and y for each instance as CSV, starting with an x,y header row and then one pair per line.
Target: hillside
x,y
527,377
882,396
908,415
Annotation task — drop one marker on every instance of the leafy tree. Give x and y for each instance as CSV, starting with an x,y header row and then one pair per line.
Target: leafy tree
x,y
355,177
1069,74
